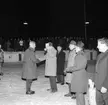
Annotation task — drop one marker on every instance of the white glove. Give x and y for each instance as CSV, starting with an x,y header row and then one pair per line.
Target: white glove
x,y
103,90
91,83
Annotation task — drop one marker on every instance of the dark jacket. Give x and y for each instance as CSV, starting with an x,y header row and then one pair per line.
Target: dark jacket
x,y
60,62
101,77
80,79
29,65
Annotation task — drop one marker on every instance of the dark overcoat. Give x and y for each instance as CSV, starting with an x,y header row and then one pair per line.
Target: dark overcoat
x,y
101,77
29,64
60,63
79,81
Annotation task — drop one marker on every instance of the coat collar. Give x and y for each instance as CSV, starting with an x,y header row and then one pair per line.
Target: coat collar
x,y
31,49
102,56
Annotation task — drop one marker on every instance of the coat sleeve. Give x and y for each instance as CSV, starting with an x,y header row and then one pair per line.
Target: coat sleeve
x,y
80,63
63,57
105,83
33,58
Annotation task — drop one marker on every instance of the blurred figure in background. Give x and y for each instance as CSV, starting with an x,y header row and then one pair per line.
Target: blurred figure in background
x,y
1,60
60,64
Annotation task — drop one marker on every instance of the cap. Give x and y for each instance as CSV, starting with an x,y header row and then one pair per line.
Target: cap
x,y
80,44
73,42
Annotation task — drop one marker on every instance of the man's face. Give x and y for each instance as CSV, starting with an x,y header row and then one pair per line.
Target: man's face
x,y
32,45
77,49
71,46
59,48
101,46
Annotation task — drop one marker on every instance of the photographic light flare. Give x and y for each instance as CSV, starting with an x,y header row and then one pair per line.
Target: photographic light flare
x,y
86,22
25,23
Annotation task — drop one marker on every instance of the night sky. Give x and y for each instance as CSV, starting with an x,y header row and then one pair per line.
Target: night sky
x,y
52,18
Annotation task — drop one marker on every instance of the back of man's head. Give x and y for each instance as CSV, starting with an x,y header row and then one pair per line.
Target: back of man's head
x,y
32,44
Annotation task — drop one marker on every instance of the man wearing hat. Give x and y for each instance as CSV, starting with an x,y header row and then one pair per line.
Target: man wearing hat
x,y
29,66
79,81
70,63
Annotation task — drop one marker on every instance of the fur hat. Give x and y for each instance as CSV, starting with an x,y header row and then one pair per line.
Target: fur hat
x,y
73,42
80,44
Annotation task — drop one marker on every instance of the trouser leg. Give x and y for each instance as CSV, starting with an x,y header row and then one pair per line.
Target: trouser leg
x,y
106,101
58,78
62,78
1,72
105,97
69,85
99,98
80,99
53,83
28,84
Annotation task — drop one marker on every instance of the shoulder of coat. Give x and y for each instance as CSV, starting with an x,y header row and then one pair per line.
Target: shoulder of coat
x,y
81,56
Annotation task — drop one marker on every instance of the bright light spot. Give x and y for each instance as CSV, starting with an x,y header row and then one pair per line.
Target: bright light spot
x,y
86,22
25,23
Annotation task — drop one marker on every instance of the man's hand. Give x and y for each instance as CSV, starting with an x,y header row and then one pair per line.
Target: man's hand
x,y
65,70
103,90
37,61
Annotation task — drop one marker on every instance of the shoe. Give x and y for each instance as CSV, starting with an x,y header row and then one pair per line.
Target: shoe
x,y
57,82
68,95
1,74
30,92
49,89
73,97
62,83
53,91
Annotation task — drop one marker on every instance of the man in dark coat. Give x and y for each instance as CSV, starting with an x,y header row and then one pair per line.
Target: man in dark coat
x,y
29,66
80,79
60,64
101,78
70,63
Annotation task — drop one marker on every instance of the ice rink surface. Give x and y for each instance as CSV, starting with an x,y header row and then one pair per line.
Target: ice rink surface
x,y
12,89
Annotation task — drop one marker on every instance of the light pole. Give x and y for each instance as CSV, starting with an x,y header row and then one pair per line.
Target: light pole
x,y
85,22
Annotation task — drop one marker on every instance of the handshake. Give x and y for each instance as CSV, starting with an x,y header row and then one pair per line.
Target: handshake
x,y
67,70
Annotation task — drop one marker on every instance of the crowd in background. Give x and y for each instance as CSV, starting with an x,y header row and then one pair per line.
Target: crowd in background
x,y
21,44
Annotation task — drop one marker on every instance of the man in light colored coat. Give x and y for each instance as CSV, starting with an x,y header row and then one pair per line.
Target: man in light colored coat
x,y
51,66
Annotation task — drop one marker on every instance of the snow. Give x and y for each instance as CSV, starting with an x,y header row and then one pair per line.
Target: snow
x,y
12,89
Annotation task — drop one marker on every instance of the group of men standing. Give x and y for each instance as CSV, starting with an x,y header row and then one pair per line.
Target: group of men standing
x,y
75,70
55,68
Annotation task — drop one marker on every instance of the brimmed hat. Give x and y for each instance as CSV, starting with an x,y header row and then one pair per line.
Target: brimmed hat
x,y
73,42
50,44
80,44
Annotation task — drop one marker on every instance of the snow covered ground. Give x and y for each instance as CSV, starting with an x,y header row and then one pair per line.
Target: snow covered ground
x,y
12,89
